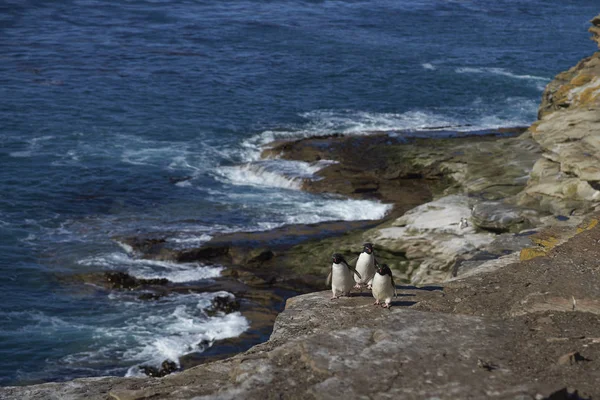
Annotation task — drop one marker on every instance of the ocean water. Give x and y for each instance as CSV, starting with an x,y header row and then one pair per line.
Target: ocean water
x,y
119,117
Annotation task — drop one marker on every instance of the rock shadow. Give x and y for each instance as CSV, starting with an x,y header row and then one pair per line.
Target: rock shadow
x,y
429,288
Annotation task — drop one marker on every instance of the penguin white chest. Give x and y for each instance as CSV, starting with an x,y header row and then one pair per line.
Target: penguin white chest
x,y
341,279
365,266
383,290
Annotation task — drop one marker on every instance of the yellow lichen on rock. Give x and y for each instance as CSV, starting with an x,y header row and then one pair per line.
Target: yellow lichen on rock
x,y
531,252
595,30
590,225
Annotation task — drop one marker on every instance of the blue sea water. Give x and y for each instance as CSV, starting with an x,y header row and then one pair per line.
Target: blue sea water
x,y
133,116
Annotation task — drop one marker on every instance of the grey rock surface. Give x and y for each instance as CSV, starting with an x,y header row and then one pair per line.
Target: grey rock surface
x,y
497,216
324,349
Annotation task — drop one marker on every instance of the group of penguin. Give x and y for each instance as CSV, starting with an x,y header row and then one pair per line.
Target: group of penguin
x,y
367,272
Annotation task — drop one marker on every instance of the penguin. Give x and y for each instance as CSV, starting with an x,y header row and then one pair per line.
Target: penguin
x,y
340,276
365,265
463,223
384,287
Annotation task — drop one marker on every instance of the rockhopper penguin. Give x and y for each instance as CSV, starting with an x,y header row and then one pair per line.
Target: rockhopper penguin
x,y
384,287
365,266
340,276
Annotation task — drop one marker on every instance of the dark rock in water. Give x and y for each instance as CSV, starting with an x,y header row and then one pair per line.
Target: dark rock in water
x,y
122,280
150,371
224,304
142,244
203,345
206,252
166,368
154,281
149,296
177,179
264,255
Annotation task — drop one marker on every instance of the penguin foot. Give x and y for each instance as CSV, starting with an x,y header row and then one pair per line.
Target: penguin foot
x,y
369,287
334,298
358,286
386,305
376,303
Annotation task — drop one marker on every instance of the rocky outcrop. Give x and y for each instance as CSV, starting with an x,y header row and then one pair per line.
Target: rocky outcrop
x,y
431,238
460,172
497,216
567,178
522,330
595,29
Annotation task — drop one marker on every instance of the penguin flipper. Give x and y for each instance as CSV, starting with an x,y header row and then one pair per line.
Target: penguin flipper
x,y
328,281
354,271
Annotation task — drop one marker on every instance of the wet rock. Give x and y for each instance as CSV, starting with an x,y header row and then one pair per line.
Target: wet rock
x,y
142,244
260,256
166,367
177,179
149,296
122,280
224,304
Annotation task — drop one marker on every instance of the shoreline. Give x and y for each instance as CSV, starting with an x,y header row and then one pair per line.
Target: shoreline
x,y
265,268
518,298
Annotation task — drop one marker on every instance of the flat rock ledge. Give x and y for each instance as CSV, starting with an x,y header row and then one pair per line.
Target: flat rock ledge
x,y
323,349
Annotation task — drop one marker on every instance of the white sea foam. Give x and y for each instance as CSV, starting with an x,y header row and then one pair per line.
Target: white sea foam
x,y
135,332
192,240
33,145
184,184
152,269
271,173
353,123
345,122
337,210
253,175
180,332
39,322
499,71
20,154
428,66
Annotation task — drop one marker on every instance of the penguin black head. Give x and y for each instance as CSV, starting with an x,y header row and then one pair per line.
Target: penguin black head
x,y
337,258
368,248
383,269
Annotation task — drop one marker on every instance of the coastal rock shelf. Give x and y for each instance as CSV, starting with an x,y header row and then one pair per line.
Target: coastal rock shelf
x,y
500,231
522,330
566,180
